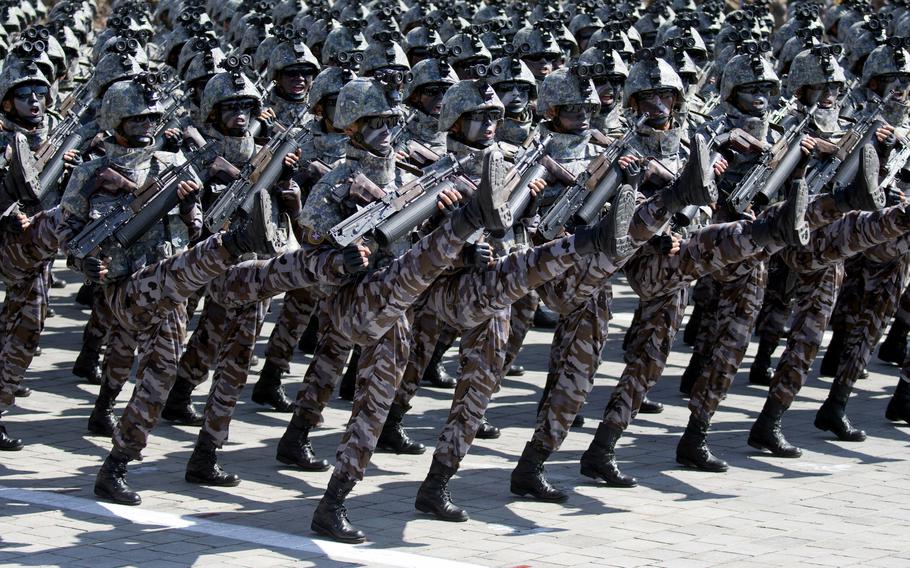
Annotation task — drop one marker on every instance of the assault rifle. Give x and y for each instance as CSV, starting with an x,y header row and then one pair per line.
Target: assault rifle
x,y
530,166
127,223
49,156
776,164
895,165
261,172
841,168
581,202
393,214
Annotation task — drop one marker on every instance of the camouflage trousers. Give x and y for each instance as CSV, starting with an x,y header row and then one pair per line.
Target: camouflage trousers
x,y
662,283
581,296
24,254
373,311
202,348
704,296
151,304
22,318
120,351
426,331
778,301
740,289
819,265
519,325
296,310
879,288
95,332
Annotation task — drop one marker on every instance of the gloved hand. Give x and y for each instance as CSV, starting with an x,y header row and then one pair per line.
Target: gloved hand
x,y
94,268
479,254
355,258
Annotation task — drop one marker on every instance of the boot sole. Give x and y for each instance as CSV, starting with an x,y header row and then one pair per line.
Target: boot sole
x,y
874,199
800,206
521,492
492,193
261,402
15,448
289,461
706,171
327,533
824,427
190,478
691,464
429,511
621,213
108,497
391,450
764,448
595,475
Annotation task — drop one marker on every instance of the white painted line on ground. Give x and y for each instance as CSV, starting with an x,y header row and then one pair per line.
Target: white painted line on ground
x,y
263,537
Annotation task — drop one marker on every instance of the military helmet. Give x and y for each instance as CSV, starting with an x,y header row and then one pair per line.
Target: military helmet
x,y
864,38
421,38
284,11
539,41
288,53
650,72
467,47
427,72
128,98
205,64
467,96
609,60
613,39
383,52
342,40
891,58
744,69
514,70
814,66
329,82
263,52
19,71
228,85
114,67
567,86
364,97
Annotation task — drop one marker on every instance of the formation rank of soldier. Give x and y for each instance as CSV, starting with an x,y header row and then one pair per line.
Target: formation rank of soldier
x,y
409,174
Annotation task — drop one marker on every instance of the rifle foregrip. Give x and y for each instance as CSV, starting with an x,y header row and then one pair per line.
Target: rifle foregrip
x,y
411,216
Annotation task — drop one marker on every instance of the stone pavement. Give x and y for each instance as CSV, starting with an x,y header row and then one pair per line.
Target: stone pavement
x,y
841,504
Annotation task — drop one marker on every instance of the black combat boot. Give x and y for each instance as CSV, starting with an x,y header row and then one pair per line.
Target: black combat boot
x,y
111,482
693,450
578,421
393,438
894,347
269,391
863,193
487,431
8,444
899,405
690,333
766,433
310,336
835,349
832,416
515,371
697,184
690,376
102,419
294,448
528,477
203,466
256,233
599,460
348,387
784,224
649,406
761,372
331,518
611,234
545,318
179,406
88,365
435,373
433,496
22,391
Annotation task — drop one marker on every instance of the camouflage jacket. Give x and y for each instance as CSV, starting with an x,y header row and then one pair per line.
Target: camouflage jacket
x,y
424,129
287,113
518,130
318,145
164,239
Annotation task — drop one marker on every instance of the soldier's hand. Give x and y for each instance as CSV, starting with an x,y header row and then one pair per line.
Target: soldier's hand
x,y
356,258
536,186
72,157
448,199
885,134
629,163
16,224
94,268
807,145
720,166
291,159
289,195
478,254
674,247
267,115
401,155
175,134
186,189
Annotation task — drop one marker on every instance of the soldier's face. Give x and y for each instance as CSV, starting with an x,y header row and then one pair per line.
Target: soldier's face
x,y
542,64
429,99
478,128
30,102
754,99
608,89
295,81
515,96
825,95
376,133
897,83
658,103
139,131
575,119
235,116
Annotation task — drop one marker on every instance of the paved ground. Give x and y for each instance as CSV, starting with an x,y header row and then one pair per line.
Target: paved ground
x,y
841,504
